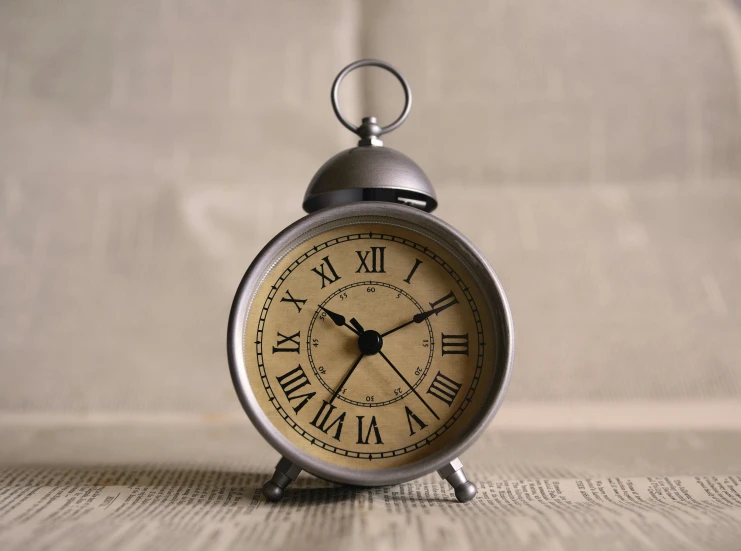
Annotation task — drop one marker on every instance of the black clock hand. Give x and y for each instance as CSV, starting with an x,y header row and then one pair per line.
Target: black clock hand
x,y
407,383
356,324
339,320
347,376
418,318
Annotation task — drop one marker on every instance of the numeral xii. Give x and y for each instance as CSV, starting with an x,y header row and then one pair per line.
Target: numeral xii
x,y
454,344
376,255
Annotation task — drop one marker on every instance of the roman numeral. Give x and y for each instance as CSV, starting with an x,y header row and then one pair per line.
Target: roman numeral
x,y
376,254
412,416
454,344
444,388
326,279
295,301
291,340
446,302
373,427
291,383
321,424
417,262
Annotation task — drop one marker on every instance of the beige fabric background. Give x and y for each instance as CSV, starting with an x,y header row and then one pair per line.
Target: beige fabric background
x,y
149,149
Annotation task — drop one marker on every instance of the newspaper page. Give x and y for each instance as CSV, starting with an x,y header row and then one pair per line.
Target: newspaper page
x,y
555,490
171,509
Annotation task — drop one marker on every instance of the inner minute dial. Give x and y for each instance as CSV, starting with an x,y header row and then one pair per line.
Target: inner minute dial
x,y
374,306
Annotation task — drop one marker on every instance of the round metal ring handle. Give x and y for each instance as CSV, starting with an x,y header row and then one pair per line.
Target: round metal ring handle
x,y
371,63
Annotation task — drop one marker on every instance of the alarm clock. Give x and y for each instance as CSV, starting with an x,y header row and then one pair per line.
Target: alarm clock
x,y
370,343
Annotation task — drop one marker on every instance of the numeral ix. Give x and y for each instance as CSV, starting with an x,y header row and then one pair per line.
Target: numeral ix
x,y
288,343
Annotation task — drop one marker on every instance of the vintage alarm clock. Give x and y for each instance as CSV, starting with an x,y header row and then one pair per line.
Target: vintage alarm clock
x,y
370,343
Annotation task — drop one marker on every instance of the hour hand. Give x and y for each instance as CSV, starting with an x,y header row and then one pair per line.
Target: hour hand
x,y
356,324
338,319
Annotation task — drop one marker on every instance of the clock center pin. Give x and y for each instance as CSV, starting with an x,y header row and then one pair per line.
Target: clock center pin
x,y
370,342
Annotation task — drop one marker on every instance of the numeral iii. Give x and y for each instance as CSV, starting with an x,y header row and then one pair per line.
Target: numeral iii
x,y
454,344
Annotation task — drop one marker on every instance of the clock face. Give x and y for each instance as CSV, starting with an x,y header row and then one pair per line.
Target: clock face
x,y
370,345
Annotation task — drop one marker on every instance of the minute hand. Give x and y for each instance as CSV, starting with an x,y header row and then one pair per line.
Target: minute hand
x,y
414,390
418,318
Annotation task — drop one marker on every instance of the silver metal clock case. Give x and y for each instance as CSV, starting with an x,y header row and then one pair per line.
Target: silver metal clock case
x,y
369,172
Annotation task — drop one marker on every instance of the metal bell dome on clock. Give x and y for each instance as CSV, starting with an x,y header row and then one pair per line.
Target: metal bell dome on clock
x,y
370,171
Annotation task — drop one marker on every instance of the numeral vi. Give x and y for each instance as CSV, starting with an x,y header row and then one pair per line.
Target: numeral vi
x,y
372,428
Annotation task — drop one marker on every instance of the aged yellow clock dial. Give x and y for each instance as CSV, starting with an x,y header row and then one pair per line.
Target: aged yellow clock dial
x,y
367,346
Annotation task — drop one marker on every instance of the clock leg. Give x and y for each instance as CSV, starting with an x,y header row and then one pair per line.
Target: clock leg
x,y
285,473
453,473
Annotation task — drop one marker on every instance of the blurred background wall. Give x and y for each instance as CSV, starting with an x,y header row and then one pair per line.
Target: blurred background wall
x,y
148,150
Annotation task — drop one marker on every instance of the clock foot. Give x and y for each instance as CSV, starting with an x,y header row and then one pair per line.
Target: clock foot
x,y
454,475
285,473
